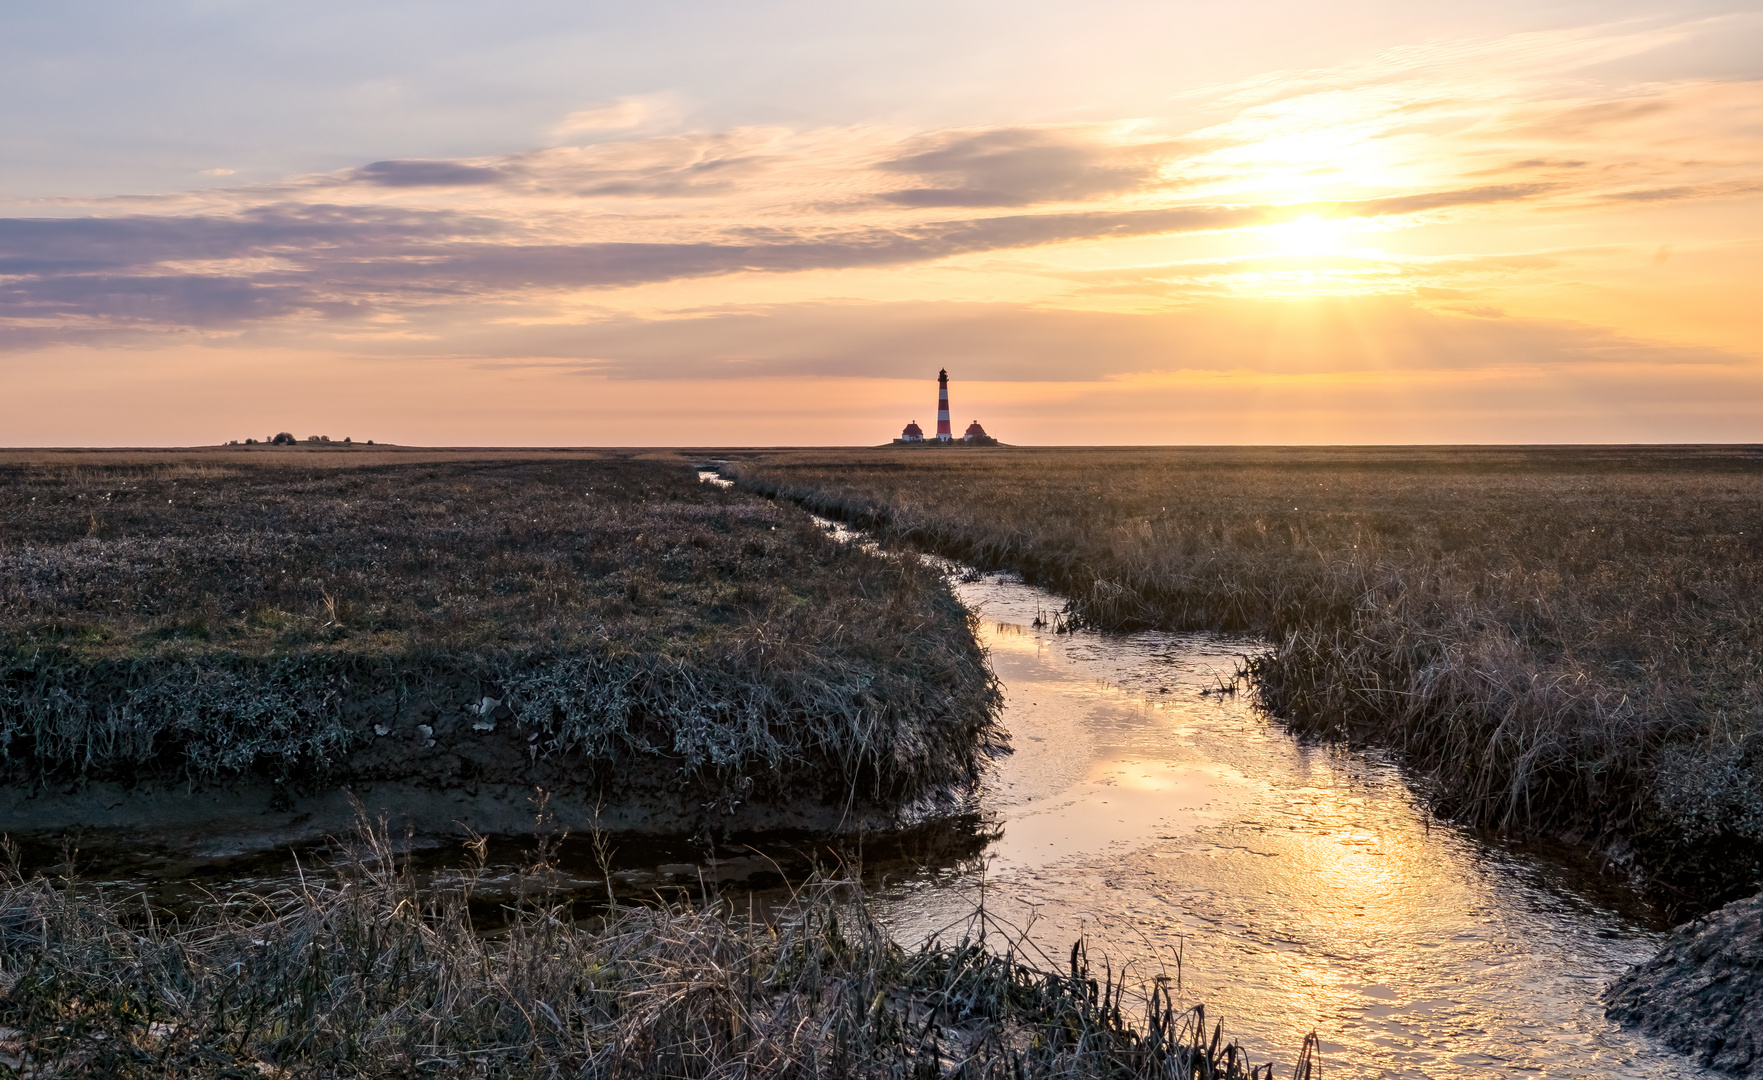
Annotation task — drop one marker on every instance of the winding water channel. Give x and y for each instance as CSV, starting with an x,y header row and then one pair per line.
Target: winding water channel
x,y
1292,887
1296,887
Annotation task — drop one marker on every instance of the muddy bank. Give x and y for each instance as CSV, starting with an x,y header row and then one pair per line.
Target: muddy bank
x,y
435,786
241,818
1702,995
632,745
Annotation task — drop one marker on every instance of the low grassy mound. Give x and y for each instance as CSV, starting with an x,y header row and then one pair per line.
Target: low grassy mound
x,y
1566,640
566,619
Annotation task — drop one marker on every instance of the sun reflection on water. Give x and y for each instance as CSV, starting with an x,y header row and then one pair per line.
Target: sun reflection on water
x,y
1293,887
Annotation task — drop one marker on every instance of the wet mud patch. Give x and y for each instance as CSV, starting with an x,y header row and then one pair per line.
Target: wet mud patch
x,y
577,868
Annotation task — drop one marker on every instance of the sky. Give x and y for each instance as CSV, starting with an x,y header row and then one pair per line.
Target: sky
x,y
771,223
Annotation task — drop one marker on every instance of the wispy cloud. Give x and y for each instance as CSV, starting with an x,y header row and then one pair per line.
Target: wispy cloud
x,y
343,262
625,114
427,174
1022,167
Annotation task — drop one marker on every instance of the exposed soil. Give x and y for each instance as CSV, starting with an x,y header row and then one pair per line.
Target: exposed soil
x,y
441,787
1702,995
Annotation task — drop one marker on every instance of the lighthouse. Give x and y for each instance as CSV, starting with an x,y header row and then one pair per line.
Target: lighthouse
x,y
943,432
914,435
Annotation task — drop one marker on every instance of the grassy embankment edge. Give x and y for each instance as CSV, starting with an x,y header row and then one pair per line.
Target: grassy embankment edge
x,y
270,627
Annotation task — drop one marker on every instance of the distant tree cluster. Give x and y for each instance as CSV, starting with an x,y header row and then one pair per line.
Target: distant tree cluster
x,y
286,438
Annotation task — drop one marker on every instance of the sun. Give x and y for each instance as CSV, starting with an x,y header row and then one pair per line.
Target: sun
x,y
1311,234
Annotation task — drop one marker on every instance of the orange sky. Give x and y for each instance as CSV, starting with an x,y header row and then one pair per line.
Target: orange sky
x,y
1517,234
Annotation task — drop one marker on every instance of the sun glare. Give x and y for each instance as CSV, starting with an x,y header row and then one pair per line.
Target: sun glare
x,y
1308,235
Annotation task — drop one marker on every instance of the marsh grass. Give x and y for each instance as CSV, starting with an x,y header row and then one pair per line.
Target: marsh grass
x,y
359,974
265,614
1562,640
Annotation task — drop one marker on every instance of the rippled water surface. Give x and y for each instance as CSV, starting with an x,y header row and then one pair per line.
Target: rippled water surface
x,y
1295,887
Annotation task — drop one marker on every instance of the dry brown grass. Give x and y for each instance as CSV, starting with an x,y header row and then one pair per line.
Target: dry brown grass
x,y
362,975
200,615
1563,640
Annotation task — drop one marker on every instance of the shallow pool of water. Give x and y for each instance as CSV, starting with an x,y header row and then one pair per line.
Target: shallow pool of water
x,y
1293,887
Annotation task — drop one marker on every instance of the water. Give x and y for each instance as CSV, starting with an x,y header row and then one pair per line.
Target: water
x,y
1293,887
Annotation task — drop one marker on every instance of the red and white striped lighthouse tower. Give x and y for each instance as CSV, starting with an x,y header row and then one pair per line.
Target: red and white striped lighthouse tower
x,y
943,432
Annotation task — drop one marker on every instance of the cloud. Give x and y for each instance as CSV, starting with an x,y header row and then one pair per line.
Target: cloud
x,y
344,262
187,300
46,247
1583,121
88,279
693,166
1287,275
1729,190
1020,167
426,174
1443,200
80,279
622,115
